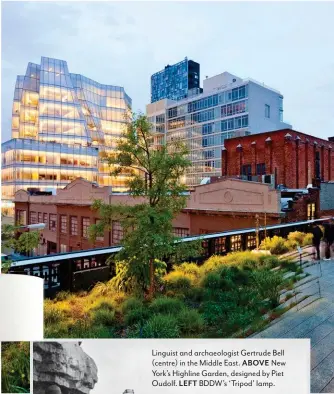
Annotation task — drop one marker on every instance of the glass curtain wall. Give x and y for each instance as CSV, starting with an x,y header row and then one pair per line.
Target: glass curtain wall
x,y
62,123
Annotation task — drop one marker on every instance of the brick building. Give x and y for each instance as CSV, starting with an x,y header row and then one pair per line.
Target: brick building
x,y
223,205
286,157
219,206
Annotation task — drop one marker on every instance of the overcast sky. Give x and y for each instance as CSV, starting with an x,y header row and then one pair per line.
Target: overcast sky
x,y
286,45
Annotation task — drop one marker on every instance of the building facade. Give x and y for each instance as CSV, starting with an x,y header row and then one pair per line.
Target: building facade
x,y
228,106
227,204
286,157
61,124
174,81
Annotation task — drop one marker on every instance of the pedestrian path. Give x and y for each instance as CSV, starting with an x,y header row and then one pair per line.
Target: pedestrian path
x,y
313,318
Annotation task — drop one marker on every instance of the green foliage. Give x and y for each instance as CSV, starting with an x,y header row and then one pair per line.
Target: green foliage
x,y
268,261
276,245
221,298
103,317
165,305
268,285
83,329
212,281
190,322
177,281
279,245
296,238
7,235
131,276
52,314
62,295
25,243
136,316
161,326
308,239
130,304
154,178
135,312
15,367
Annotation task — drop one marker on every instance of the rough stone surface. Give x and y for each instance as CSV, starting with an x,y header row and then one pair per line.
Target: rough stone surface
x,y
64,364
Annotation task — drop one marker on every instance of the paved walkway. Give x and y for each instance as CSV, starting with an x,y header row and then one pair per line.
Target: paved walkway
x,y
314,319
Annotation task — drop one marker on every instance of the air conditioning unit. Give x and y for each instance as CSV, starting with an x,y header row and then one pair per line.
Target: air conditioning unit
x,y
269,179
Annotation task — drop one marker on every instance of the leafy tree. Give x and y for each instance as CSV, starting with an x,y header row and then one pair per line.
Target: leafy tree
x,y
27,241
24,243
155,174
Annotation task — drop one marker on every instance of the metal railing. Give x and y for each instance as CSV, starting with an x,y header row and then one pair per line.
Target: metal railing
x,y
81,270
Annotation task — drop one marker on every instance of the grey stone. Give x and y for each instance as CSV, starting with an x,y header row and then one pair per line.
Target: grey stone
x,y
64,366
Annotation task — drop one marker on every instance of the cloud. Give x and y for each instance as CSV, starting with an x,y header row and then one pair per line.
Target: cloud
x,y
286,45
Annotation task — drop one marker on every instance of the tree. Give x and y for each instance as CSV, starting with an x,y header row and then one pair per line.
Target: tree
x,y
154,179
24,243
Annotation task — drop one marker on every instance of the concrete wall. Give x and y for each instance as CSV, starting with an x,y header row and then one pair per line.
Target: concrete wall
x,y
235,196
258,97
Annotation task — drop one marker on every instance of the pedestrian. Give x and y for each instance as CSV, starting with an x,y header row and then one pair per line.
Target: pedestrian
x,y
329,238
327,235
317,235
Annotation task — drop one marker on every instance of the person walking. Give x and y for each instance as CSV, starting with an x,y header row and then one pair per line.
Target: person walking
x,y
317,235
329,238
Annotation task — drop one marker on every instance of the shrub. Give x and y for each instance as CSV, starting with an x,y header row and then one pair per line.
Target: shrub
x,y
15,367
189,270
239,320
52,314
232,275
84,329
242,259
308,239
131,304
136,316
56,330
296,238
276,245
212,263
165,305
103,316
161,326
268,285
190,321
177,281
63,295
102,303
102,289
268,262
212,281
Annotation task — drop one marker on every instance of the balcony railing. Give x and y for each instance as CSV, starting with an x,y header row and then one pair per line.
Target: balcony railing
x,y
82,269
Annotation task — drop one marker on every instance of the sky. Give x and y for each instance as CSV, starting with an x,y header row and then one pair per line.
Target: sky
x,y
286,45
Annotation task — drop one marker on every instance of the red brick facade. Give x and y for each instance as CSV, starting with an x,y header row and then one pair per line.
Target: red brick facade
x,y
293,157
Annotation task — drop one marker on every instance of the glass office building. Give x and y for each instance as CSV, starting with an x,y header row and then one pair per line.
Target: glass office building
x,y
61,124
229,106
175,81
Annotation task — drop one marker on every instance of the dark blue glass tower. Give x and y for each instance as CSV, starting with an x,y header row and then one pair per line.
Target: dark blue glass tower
x,y
175,81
